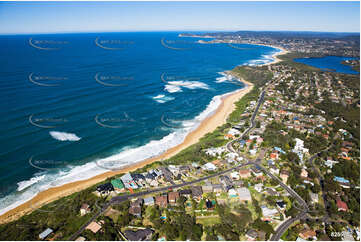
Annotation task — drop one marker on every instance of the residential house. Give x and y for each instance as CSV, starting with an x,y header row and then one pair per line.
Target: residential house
x,y
217,188
136,211
118,185
217,163
258,187
304,173
128,182
314,197
274,169
268,213
271,191
148,201
136,207
244,173
168,176
45,233
162,201
284,175
80,238
329,162
252,235
244,194
207,188
256,171
196,192
185,192
234,175
253,151
84,209
139,235
105,189
226,181
232,193
342,181
274,156
209,167
238,183
173,197
94,227
342,206
281,204
308,234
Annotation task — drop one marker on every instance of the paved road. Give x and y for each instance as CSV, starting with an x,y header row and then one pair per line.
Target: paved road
x,y
122,198
303,214
229,145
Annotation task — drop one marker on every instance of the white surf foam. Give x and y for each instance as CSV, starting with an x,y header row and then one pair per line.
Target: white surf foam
x,y
264,59
162,98
62,136
176,86
25,184
224,78
172,88
126,156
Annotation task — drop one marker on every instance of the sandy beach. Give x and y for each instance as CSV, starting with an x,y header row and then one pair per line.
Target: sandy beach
x,y
207,125
275,56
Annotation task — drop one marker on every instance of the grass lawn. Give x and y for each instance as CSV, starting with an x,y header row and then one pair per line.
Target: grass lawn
x,y
208,221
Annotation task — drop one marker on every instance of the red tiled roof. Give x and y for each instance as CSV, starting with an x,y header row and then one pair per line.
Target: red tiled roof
x,y
342,205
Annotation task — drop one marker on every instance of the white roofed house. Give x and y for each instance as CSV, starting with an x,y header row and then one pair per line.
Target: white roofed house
x,y
234,175
234,132
314,197
258,187
274,169
299,149
329,162
215,151
209,167
128,181
45,233
244,194
232,155
268,213
148,201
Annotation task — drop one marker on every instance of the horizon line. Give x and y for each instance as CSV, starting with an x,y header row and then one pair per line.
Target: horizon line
x,y
144,31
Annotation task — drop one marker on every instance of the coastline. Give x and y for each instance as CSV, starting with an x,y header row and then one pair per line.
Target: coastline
x,y
209,124
275,56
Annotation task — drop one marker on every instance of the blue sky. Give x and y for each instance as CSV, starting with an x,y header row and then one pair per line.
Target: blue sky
x,y
57,17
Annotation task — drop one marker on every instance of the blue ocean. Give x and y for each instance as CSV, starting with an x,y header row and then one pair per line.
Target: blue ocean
x,y
77,105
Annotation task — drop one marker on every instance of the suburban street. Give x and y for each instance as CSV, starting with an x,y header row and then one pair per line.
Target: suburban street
x,y
122,198
303,214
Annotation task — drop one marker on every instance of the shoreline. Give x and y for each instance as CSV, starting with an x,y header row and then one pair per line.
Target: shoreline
x,y
209,124
275,55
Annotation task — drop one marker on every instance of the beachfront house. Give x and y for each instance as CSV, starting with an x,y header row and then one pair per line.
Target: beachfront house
x,y
84,209
105,189
118,185
45,233
128,182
